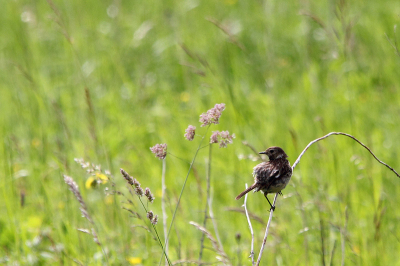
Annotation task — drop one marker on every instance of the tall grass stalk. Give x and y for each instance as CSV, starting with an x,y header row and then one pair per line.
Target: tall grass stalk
x,y
207,197
183,188
164,213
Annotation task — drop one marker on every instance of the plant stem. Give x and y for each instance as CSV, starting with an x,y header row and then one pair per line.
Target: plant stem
x,y
266,231
183,188
163,189
344,134
251,228
158,237
206,208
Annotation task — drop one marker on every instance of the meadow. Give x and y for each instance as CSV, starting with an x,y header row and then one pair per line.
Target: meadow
x,y
103,81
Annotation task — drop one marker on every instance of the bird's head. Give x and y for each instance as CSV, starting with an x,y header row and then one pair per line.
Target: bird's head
x,y
274,153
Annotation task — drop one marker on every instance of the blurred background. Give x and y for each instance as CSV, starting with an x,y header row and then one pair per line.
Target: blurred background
x,y
106,80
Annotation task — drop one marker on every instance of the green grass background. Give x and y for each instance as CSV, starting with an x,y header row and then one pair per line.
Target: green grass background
x,y
288,72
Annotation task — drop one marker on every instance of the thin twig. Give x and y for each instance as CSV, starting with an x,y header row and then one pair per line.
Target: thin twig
x,y
266,231
163,189
297,162
251,229
344,134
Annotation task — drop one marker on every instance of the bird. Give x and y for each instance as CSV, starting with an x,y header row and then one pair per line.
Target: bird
x,y
271,176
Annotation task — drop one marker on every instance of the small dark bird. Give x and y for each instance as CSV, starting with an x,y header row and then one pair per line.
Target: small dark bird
x,y
272,176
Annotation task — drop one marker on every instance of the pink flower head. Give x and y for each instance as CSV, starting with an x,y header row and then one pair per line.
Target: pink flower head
x,y
160,150
190,131
139,191
214,137
212,116
149,195
223,138
155,219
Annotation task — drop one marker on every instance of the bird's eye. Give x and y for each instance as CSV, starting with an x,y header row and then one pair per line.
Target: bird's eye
x,y
272,151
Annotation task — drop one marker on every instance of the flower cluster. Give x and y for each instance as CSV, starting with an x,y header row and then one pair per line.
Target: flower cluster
x,y
223,138
133,182
153,218
190,131
212,116
160,150
149,195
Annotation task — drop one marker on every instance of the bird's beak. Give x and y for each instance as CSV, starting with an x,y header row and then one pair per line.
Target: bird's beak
x,y
263,152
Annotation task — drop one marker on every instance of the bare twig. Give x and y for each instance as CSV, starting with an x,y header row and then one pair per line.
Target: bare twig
x,y
266,231
344,134
251,229
297,162
163,189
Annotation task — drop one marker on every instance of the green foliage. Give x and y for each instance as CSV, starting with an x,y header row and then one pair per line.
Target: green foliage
x,y
105,81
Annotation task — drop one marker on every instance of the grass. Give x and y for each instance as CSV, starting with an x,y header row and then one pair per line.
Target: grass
x,y
107,80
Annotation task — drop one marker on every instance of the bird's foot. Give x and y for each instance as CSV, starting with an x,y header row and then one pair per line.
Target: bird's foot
x,y
280,193
272,208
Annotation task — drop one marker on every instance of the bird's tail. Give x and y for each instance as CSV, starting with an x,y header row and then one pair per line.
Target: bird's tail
x,y
246,191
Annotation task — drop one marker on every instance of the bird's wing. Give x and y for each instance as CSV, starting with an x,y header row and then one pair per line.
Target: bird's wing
x,y
265,172
275,173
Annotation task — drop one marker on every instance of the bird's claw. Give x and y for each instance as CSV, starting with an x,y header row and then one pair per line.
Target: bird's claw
x,y
272,208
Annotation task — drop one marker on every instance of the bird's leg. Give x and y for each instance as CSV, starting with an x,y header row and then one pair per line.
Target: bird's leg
x,y
272,207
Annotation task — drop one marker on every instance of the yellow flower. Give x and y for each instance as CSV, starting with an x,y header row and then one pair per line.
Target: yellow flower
x,y
101,177
91,182
134,260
